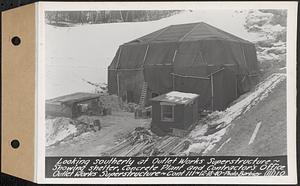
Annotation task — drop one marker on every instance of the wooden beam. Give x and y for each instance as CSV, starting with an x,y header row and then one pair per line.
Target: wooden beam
x,y
145,55
125,69
216,72
185,35
174,56
212,92
196,77
118,84
173,81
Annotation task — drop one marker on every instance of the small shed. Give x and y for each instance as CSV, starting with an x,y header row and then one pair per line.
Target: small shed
x,y
74,105
174,111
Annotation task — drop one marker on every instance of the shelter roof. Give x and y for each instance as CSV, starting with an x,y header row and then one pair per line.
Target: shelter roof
x,y
187,32
176,97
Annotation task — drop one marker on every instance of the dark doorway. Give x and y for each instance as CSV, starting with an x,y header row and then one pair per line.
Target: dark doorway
x,y
153,95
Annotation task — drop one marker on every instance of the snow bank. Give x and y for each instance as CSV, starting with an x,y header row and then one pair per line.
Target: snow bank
x,y
222,120
58,129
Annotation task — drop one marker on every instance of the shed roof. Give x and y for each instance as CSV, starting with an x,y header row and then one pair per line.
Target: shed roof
x,y
176,97
73,98
187,32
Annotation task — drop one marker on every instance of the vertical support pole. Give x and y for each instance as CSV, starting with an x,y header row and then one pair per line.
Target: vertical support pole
x,y
145,55
246,65
236,87
173,76
173,82
118,83
174,56
117,68
212,92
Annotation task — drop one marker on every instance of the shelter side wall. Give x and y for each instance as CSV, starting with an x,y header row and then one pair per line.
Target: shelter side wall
x,y
159,78
201,87
159,66
112,75
112,82
224,88
251,58
130,85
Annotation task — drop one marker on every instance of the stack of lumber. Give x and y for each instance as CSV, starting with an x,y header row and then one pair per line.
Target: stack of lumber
x,y
133,144
142,142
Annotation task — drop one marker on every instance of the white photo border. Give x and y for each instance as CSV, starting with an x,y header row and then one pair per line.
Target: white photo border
x,y
291,7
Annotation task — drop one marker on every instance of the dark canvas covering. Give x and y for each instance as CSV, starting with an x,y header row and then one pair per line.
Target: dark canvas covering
x,y
185,58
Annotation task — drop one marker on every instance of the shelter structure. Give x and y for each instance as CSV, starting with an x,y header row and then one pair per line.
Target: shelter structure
x,y
193,58
73,105
174,112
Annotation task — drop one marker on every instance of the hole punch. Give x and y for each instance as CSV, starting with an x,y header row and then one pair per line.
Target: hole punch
x,y
15,144
16,40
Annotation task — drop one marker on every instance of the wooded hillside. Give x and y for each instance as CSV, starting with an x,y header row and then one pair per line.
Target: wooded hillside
x,y
62,18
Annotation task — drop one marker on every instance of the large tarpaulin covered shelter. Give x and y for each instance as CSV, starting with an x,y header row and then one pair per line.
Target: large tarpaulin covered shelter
x,y
194,58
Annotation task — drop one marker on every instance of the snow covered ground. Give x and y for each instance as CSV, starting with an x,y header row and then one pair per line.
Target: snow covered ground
x,y
85,51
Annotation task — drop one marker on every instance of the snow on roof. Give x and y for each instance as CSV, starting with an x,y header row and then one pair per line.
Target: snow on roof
x,y
176,97
73,98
